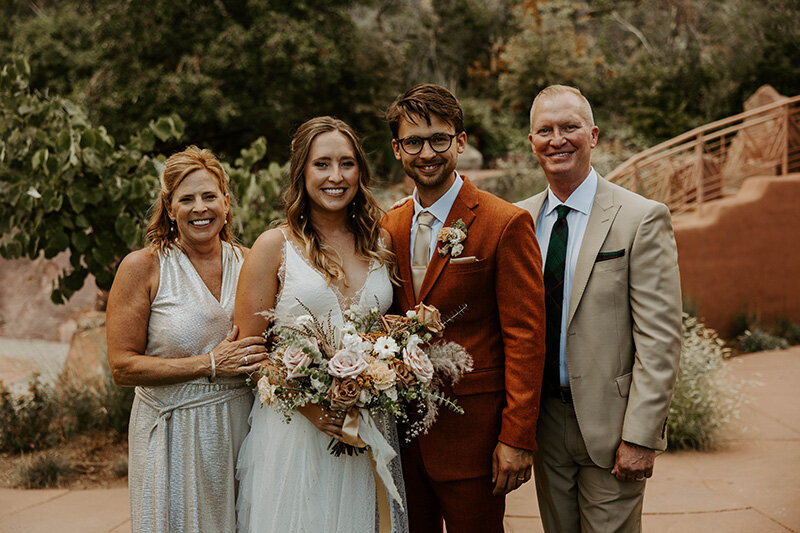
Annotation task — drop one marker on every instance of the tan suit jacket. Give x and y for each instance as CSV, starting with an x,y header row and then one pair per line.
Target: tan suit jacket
x,y
624,322
502,329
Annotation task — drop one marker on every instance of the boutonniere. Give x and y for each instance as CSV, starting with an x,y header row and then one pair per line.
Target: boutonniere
x,y
451,238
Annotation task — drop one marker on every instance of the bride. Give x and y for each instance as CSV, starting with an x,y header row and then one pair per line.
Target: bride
x,y
328,255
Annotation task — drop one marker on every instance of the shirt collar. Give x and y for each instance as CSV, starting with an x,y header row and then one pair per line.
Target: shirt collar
x,y
441,207
580,200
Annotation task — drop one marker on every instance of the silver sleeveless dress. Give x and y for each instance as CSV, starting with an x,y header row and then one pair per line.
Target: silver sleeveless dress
x,y
184,438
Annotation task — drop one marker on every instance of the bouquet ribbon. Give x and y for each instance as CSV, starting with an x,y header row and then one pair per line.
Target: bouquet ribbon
x,y
359,430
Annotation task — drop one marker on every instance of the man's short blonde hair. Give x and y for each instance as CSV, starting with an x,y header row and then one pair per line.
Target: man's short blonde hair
x,y
554,90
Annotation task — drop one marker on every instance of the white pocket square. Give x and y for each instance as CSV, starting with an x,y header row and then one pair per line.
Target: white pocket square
x,y
460,260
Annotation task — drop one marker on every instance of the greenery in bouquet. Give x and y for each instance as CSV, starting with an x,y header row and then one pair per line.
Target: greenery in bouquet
x,y
386,364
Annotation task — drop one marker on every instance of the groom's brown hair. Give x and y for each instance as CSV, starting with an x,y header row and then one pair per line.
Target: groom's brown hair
x,y
423,101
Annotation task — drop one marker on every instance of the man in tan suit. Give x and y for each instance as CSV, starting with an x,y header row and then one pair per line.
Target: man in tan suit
x,y
461,470
613,335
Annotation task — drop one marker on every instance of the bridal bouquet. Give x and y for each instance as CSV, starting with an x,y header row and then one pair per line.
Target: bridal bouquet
x,y
387,364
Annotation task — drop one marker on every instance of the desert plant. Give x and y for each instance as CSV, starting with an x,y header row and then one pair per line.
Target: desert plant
x,y
44,471
48,415
25,421
788,330
758,340
706,397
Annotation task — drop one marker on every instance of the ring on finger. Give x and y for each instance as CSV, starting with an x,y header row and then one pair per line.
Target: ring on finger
x,y
248,350
245,360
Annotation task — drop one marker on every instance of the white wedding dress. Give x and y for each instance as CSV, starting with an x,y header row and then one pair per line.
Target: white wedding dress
x,y
288,480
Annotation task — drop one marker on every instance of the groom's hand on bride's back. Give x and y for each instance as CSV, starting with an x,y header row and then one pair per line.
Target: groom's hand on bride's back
x,y
511,467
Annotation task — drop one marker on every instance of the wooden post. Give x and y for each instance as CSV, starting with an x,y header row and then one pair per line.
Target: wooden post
x,y
698,150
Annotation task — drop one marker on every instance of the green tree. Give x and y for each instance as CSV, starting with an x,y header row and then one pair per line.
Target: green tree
x,y
67,185
233,70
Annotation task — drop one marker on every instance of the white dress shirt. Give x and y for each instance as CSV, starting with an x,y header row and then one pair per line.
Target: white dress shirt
x,y
440,209
580,204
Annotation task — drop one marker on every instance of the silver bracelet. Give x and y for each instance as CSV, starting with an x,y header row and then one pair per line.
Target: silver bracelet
x,y
213,375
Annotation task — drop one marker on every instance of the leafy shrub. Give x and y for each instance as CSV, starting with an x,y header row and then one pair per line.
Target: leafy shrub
x,y
25,421
49,415
758,340
45,471
788,330
705,397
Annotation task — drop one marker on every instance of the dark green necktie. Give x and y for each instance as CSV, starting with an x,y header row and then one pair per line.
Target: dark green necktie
x,y
554,295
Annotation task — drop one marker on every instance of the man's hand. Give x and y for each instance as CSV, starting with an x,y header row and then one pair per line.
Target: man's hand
x,y
511,467
634,462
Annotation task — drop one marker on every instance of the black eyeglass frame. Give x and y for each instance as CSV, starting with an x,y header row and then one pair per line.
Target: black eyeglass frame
x,y
450,136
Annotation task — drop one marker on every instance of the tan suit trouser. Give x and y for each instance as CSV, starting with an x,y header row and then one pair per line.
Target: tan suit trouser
x,y
575,495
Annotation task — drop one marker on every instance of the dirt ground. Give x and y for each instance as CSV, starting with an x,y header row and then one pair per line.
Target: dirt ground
x,y
97,460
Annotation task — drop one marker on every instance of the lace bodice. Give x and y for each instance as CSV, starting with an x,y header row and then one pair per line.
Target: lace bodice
x,y
301,282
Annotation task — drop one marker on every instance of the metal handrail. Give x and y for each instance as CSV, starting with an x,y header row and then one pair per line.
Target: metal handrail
x,y
712,161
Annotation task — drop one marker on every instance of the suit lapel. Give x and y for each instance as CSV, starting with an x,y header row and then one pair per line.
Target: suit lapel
x,y
402,246
600,219
536,205
463,206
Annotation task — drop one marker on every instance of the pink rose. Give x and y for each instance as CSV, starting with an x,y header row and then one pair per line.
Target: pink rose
x,y
294,358
346,364
417,360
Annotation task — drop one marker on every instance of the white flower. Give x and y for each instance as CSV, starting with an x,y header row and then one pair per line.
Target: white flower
x,y
391,394
456,250
346,364
349,329
373,310
357,344
351,341
364,398
413,341
266,391
319,386
419,363
411,314
385,347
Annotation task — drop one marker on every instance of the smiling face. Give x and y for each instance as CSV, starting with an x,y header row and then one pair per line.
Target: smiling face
x,y
331,172
431,171
198,207
562,137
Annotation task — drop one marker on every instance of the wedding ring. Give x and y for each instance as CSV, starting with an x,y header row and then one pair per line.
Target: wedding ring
x,y
248,350
245,360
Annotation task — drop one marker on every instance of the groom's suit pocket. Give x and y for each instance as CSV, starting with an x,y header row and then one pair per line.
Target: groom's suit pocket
x,y
481,381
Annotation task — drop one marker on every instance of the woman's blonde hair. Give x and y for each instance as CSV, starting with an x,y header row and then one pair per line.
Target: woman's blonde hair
x,y
161,233
364,215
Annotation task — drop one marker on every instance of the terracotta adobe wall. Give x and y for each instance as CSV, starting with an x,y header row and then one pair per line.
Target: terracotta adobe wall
x,y
743,254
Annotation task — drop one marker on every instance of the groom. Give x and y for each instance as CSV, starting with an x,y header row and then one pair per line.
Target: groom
x,y
462,468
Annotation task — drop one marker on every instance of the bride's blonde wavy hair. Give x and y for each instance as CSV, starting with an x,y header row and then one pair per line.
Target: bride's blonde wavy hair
x,y
363,213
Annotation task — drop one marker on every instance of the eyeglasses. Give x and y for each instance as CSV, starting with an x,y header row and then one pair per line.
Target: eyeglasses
x,y
439,142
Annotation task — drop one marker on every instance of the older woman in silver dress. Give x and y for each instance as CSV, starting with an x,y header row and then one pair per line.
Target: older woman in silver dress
x,y
169,330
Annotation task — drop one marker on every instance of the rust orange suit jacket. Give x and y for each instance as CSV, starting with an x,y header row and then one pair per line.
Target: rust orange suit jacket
x,y
502,329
